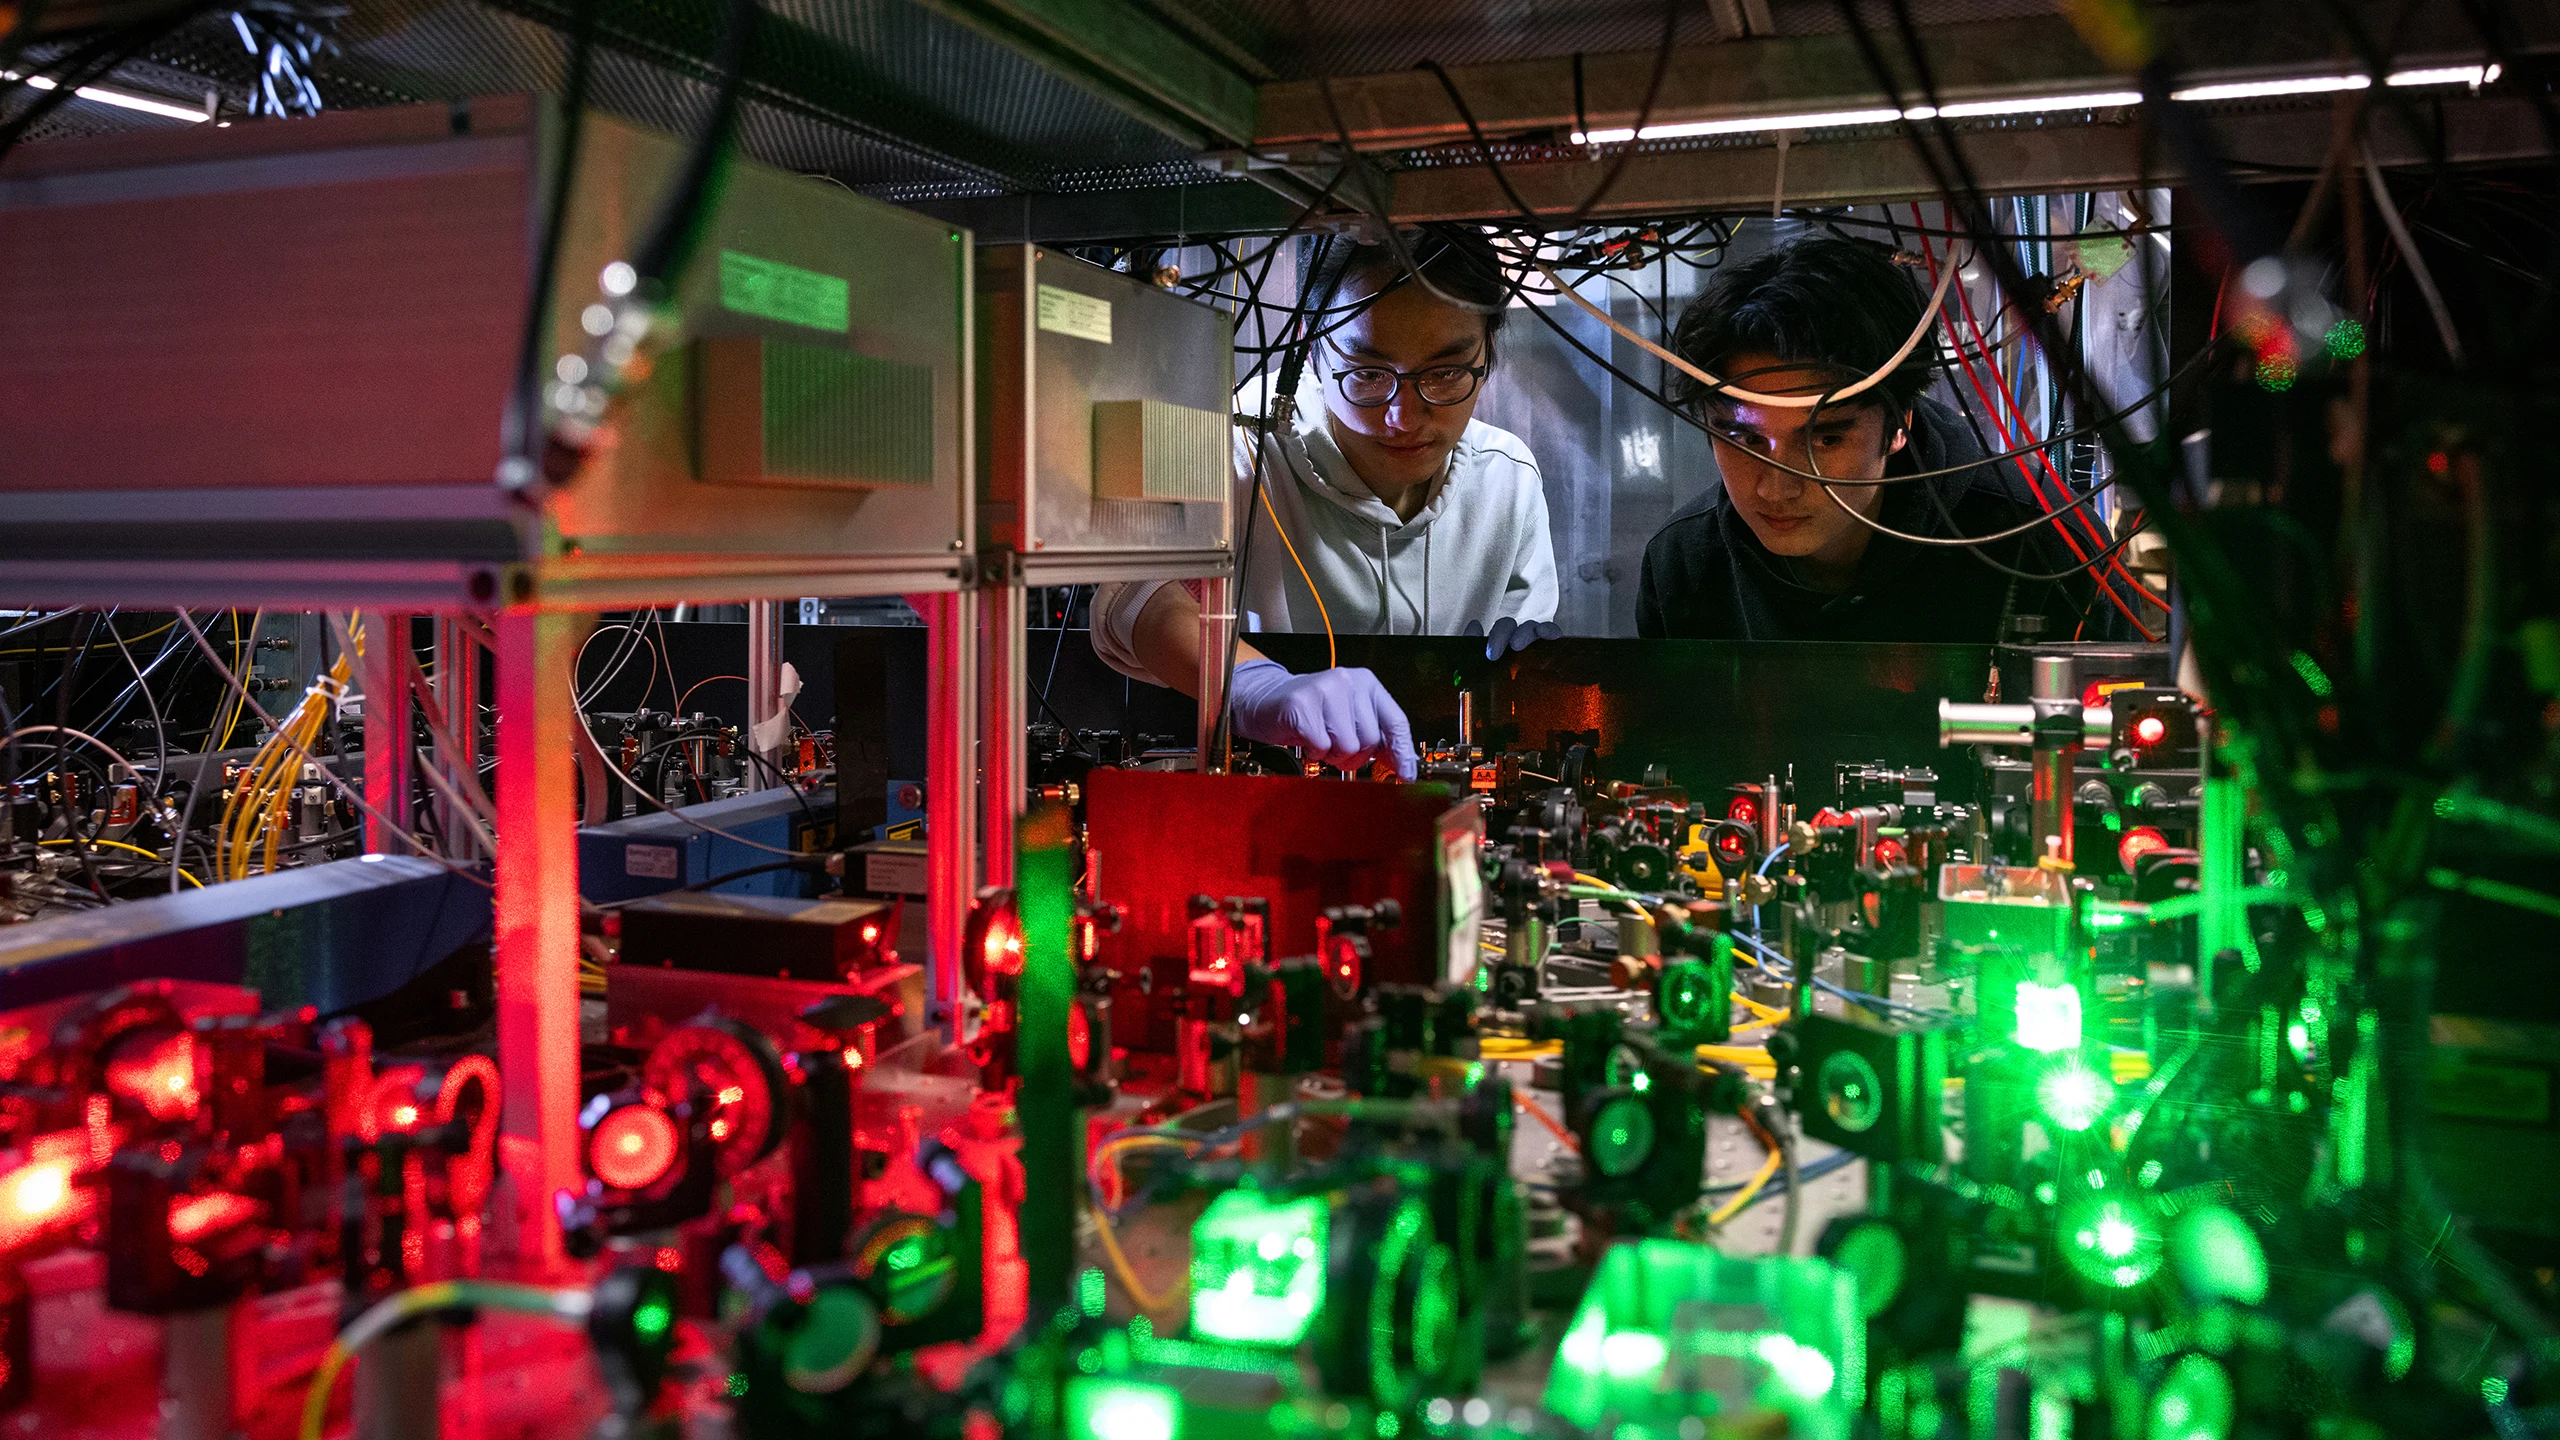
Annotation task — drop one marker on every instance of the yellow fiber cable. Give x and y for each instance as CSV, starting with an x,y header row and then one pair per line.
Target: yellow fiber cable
x,y
569,1306
1331,657
65,649
136,849
1765,1012
315,1401
1754,1061
1747,1054
1147,1300
262,803
1639,911
240,649
1749,1192
1119,1263
250,799
1111,1146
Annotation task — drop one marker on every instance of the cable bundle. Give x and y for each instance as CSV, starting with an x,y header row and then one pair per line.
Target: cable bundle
x,y
260,806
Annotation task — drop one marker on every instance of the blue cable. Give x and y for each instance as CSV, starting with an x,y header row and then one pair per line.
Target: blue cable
x,y
1856,997
1765,862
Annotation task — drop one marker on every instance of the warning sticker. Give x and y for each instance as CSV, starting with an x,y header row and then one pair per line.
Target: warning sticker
x,y
1065,312
768,288
652,862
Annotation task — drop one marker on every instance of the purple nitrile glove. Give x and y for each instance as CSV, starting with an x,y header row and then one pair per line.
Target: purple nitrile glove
x,y
1340,717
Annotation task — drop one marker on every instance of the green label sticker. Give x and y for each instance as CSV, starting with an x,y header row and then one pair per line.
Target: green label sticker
x,y
775,291
2103,252
1067,313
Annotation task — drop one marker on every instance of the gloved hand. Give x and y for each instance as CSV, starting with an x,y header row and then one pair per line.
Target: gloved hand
x,y
1341,717
1510,636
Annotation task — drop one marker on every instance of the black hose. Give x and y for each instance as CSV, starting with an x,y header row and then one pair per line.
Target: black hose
x,y
696,190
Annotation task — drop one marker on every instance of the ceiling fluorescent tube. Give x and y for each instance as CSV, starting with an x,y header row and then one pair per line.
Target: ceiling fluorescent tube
x,y
1742,125
120,97
2038,104
2026,105
2444,75
2256,89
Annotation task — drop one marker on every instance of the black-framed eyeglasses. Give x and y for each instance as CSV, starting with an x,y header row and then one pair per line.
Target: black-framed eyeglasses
x,y
1373,387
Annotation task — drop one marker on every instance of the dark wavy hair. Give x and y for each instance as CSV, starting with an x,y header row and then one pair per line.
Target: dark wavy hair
x,y
1827,303
1457,259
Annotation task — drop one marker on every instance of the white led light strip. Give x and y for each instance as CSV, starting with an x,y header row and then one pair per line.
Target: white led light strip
x,y
2472,75
2445,75
120,97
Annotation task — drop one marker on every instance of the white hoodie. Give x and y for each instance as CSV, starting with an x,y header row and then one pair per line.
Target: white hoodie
x,y
1477,551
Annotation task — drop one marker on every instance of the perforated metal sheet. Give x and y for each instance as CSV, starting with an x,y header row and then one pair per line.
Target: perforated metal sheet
x,y
1302,39
894,99
881,95
1822,17
176,82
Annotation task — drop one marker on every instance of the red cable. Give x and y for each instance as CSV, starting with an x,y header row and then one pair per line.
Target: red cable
x,y
2010,438
2022,433
1999,425
2014,436
2009,442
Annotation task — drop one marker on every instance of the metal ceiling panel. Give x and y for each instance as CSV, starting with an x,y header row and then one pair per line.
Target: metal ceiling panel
x,y
1303,39
795,119
996,100
882,95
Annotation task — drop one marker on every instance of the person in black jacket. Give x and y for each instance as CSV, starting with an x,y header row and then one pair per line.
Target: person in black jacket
x,y
1770,555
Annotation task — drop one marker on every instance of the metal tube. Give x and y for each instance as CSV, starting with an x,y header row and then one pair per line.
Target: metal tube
x,y
764,679
1053,1129
2051,803
1003,618
396,1385
2221,835
456,684
387,732
2054,698
950,787
1466,719
195,1375
2049,678
1525,943
1275,1146
1960,723
1217,623
537,917
1796,941
594,781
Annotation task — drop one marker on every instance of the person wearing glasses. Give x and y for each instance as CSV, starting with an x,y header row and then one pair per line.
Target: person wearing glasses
x,y
1769,555
1376,505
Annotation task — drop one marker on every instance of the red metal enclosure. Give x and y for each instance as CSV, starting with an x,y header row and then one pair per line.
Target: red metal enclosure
x,y
1156,838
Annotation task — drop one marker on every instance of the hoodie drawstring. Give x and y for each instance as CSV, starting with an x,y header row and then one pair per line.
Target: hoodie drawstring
x,y
1386,621
1386,563
1386,593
